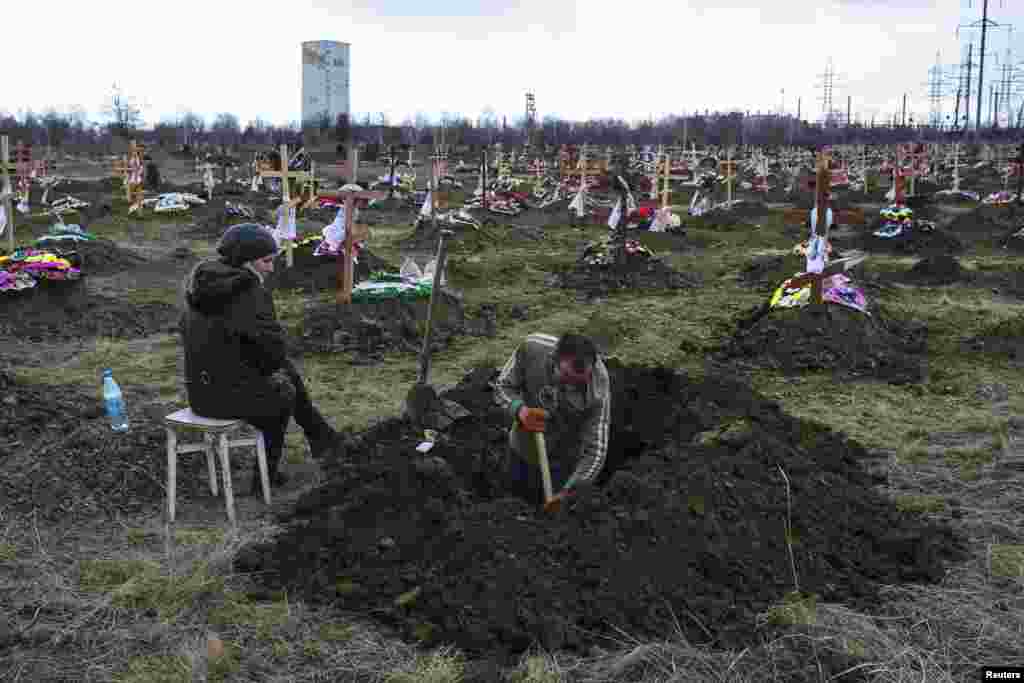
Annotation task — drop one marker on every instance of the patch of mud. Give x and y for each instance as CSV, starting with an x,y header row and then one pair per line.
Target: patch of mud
x,y
60,456
988,224
103,257
599,280
319,273
830,338
915,241
370,329
936,269
688,519
66,311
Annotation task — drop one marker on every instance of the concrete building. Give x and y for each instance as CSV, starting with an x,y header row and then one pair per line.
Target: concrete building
x,y
325,81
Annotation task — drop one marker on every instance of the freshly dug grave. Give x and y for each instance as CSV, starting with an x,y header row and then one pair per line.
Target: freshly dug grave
x,y
102,256
833,338
992,224
936,269
685,530
318,273
372,328
600,279
60,456
914,241
66,311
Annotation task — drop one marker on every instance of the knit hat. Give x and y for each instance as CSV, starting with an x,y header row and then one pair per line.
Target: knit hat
x,y
245,242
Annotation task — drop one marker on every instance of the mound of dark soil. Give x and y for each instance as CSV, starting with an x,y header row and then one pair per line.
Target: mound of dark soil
x,y
987,223
914,241
597,280
60,456
66,311
104,257
317,273
939,269
834,338
689,519
372,328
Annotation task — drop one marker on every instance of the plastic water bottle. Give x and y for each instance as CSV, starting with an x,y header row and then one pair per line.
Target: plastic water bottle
x,y
114,402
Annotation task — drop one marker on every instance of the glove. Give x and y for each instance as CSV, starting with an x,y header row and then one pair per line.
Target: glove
x,y
532,419
558,500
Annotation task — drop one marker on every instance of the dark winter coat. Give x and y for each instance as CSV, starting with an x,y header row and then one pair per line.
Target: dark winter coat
x,y
233,344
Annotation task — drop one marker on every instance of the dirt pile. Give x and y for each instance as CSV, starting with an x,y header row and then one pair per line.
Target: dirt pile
x,y
686,529
938,269
834,338
318,273
60,456
372,328
103,257
918,240
597,273
66,311
993,224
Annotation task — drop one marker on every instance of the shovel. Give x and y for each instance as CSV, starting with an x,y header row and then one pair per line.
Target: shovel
x,y
422,399
551,504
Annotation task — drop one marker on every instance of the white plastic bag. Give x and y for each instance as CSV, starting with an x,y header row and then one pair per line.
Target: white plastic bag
x,y
410,270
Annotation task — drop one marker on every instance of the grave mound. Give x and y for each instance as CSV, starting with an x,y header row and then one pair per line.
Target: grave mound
x,y
917,240
61,458
102,257
688,518
320,273
371,328
596,273
64,310
830,338
987,223
939,269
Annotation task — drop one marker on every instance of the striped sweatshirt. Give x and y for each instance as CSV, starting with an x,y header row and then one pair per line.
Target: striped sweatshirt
x,y
579,418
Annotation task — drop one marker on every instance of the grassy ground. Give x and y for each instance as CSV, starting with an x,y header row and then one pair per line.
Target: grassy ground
x,y
142,601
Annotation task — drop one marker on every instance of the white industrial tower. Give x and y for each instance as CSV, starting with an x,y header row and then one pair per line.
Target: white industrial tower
x,y
325,81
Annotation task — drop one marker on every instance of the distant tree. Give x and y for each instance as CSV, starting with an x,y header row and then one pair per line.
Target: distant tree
x,y
57,127
192,127
124,114
225,129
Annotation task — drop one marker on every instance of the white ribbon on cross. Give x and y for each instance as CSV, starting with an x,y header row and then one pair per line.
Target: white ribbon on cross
x,y
616,214
286,222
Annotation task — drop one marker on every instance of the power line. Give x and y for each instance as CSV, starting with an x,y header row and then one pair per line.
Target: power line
x,y
984,24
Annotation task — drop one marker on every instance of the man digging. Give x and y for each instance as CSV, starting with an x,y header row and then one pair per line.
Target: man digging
x,y
559,388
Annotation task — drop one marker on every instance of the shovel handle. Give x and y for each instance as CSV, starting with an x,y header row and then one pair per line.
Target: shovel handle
x,y
542,461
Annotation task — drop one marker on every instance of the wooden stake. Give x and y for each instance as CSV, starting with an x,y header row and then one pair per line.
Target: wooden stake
x,y
285,175
8,208
344,290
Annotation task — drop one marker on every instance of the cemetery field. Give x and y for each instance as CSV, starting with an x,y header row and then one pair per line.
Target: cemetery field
x,y
794,494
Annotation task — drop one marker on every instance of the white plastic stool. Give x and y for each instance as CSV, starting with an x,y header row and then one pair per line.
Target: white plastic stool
x,y
187,420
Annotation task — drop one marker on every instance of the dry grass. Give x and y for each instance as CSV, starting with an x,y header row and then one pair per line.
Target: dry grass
x,y
153,597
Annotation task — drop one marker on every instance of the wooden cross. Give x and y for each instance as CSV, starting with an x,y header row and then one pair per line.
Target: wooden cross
x,y
956,166
821,193
656,174
1020,173
348,169
344,291
6,190
728,168
286,202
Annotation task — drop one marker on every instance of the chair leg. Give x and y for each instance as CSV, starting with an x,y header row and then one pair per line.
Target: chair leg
x,y
211,463
172,467
225,465
261,459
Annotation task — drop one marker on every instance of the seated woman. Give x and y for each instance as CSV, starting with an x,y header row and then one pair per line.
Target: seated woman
x,y
235,360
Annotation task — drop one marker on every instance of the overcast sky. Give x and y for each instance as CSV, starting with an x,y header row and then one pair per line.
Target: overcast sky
x,y
582,59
